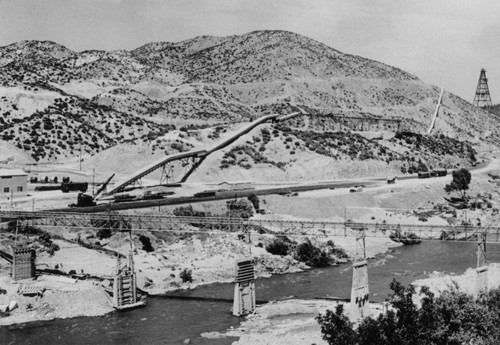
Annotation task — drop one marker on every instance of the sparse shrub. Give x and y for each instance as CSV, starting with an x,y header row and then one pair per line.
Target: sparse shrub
x,y
239,208
104,233
186,276
278,247
45,240
146,244
188,211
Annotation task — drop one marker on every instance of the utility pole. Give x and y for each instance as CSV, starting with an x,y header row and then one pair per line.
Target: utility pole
x,y
345,221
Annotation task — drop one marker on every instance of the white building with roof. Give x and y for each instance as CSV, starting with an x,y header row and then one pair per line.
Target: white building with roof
x,y
236,186
13,182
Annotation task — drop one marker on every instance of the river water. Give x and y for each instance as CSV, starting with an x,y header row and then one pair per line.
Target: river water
x,y
171,321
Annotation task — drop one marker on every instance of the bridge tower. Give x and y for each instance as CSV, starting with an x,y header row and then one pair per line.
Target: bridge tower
x,y
359,291
244,288
482,98
482,266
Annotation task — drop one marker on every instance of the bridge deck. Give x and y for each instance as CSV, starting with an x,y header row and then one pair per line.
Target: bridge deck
x,y
131,222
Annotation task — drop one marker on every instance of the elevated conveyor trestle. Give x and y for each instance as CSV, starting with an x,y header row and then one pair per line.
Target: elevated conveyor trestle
x,y
198,154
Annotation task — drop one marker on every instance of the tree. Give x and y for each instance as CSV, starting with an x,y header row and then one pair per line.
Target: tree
x,y
453,318
146,244
239,208
460,183
336,329
254,199
312,256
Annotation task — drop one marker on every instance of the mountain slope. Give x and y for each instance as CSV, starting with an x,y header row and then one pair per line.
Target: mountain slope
x,y
128,95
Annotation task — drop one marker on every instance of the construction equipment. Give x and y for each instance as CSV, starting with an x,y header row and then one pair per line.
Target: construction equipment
x,y
74,186
85,200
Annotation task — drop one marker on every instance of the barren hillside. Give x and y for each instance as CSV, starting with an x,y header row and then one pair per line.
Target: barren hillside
x,y
54,101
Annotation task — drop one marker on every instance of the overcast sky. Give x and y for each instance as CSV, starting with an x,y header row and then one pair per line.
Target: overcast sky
x,y
443,42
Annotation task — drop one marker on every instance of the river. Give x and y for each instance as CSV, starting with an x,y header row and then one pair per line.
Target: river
x,y
171,321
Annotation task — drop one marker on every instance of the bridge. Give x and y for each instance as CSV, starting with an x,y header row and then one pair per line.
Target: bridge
x,y
174,224
244,291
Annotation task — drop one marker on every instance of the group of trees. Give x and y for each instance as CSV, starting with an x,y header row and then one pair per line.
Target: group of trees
x,y
453,318
305,252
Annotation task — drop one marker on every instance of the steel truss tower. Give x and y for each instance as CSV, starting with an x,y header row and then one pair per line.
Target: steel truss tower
x,y
482,98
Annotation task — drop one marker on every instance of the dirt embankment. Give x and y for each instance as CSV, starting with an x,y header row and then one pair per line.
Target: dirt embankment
x,y
61,298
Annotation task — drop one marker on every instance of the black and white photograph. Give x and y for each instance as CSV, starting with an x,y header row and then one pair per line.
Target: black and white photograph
x,y
249,172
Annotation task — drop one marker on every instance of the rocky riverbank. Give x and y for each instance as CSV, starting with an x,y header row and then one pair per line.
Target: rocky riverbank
x,y
59,298
292,322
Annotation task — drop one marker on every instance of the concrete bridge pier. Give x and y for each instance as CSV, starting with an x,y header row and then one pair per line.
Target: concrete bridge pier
x,y
244,288
23,263
482,267
360,307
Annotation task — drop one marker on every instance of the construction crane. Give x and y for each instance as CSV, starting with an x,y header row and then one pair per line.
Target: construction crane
x,y
85,200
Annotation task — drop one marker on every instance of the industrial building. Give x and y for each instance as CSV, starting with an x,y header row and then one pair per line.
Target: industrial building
x,y
13,183
236,186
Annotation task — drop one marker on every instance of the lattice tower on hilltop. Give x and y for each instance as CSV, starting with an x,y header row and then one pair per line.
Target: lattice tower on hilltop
x,y
482,98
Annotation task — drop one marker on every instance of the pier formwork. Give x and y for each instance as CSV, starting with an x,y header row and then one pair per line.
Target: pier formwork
x,y
125,284
359,292
244,289
23,263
